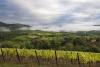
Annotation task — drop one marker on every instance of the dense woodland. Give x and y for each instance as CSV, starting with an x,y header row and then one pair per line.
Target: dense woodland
x,y
76,41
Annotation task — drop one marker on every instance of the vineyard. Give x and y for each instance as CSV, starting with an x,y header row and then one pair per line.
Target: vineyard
x,y
50,57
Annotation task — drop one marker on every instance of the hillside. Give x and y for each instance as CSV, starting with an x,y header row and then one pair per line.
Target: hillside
x,y
88,42
12,27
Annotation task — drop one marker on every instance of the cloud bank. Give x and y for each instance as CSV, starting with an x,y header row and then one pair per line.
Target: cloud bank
x,y
53,15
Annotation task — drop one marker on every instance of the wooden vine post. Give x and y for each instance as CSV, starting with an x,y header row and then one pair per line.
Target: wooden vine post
x,y
37,57
18,57
2,55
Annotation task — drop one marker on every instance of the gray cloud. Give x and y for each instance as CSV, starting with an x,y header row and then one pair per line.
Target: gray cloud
x,y
53,15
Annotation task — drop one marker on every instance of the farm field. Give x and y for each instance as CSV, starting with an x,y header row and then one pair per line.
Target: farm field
x,y
49,57
49,33
49,49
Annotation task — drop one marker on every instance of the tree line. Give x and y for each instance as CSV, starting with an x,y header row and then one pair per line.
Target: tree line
x,y
50,40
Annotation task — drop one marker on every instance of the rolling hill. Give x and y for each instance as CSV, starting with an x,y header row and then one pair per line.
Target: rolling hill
x,y
12,27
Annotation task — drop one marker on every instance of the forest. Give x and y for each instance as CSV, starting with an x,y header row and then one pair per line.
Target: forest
x,y
87,41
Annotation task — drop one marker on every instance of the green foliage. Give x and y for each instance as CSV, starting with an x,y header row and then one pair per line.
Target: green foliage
x,y
84,57
78,41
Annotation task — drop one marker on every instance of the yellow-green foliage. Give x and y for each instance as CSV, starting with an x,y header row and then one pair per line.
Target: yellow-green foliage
x,y
8,51
84,57
45,53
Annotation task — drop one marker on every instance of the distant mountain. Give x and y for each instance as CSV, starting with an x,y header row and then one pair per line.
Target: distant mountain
x,y
12,27
96,25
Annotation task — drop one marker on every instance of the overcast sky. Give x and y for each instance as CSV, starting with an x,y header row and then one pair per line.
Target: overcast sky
x,y
52,15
